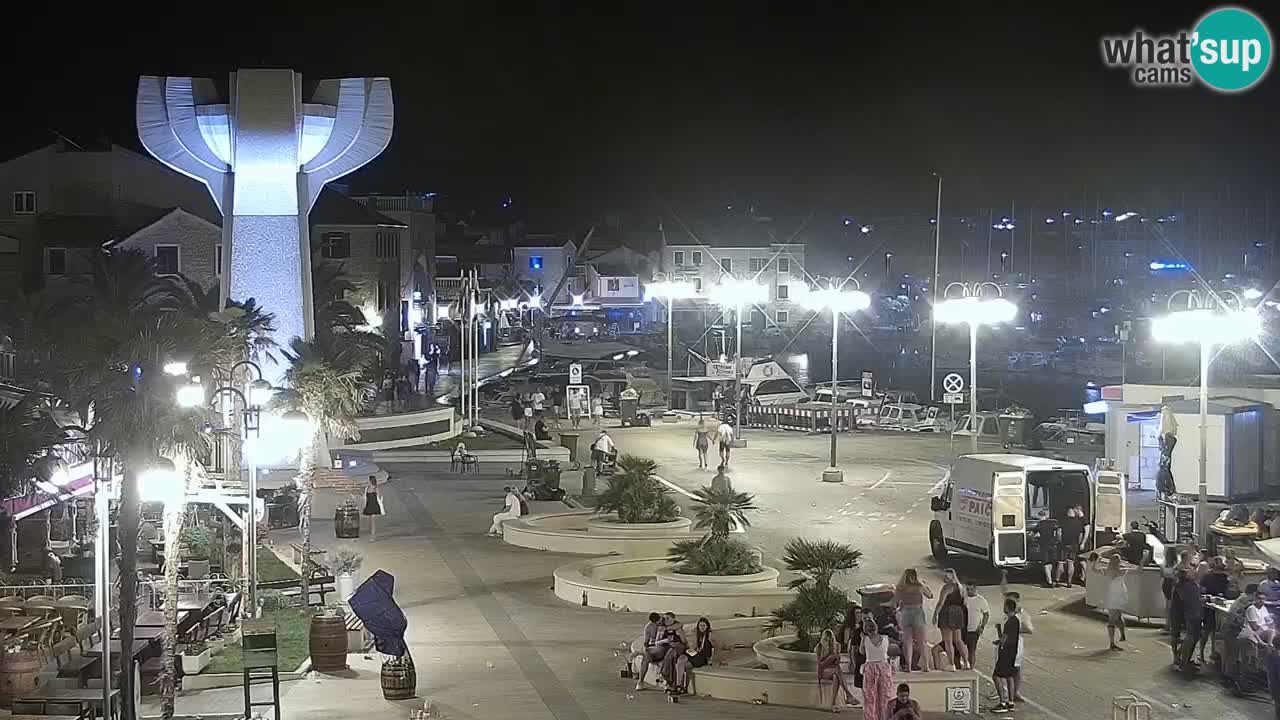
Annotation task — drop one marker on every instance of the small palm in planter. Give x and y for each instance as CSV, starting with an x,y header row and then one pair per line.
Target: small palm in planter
x,y
635,495
719,509
817,605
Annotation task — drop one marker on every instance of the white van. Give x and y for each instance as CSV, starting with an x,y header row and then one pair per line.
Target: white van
x,y
989,506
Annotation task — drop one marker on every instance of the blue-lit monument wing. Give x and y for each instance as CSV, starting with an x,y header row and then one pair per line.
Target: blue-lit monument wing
x,y
265,153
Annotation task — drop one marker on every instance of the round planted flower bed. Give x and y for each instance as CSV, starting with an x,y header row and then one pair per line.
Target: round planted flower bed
x,y
630,583
583,532
667,577
769,651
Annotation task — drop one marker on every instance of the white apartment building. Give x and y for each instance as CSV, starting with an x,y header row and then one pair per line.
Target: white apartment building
x,y
778,266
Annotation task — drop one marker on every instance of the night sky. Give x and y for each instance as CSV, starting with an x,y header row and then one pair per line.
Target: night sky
x,y
660,105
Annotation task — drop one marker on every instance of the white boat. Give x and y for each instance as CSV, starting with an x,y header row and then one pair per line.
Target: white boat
x,y
769,383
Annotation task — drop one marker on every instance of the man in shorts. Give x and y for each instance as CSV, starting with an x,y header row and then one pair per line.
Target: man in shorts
x,y
725,431
1050,535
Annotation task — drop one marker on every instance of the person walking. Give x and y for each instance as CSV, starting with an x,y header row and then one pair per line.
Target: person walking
x,y
1115,599
1190,619
948,615
1215,583
909,594
373,506
597,410
725,433
702,442
1075,534
1007,658
877,673
601,449
828,656
1050,536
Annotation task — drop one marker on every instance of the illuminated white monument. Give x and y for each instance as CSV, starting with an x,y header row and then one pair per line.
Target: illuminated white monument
x,y
265,153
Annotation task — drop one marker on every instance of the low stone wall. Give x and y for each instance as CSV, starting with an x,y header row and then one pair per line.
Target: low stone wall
x,y
402,429
937,692
490,460
585,533
602,583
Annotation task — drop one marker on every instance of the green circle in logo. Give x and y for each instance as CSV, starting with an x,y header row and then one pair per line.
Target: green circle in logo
x,y
1231,49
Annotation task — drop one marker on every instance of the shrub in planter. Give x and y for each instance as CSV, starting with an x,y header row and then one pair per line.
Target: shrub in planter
x,y
635,495
195,657
817,605
714,556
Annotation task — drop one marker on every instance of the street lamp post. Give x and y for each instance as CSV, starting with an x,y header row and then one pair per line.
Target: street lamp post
x,y
933,288
1207,327
973,309
259,394
838,301
669,291
732,292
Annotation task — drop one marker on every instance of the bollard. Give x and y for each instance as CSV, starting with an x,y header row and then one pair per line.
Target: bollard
x,y
588,482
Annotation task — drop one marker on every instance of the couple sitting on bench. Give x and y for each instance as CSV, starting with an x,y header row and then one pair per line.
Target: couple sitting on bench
x,y
665,643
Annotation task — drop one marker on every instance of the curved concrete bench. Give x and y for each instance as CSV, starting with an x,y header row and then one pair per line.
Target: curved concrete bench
x,y
603,583
583,532
735,637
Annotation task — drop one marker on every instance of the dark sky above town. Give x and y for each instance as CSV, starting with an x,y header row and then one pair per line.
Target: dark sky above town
x,y
632,105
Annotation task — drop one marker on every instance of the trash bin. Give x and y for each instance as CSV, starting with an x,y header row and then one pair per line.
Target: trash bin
x,y
569,440
628,412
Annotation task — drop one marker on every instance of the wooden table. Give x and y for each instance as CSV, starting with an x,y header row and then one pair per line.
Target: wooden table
x,y
86,697
147,633
139,646
18,622
155,618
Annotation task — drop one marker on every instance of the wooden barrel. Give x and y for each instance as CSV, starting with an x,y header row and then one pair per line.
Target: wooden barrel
x,y
328,641
346,521
19,675
399,678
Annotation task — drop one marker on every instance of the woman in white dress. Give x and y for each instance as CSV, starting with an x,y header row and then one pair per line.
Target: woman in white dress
x,y
1115,599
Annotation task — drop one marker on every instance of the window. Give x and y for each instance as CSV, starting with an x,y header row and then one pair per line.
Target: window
x,y
335,246
217,261
386,293
697,284
677,257
784,292
386,245
56,261
697,258
24,202
784,265
535,262
614,284
167,262
726,264
781,317
756,264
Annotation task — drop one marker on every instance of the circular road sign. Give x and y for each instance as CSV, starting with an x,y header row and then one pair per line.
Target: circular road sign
x,y
953,383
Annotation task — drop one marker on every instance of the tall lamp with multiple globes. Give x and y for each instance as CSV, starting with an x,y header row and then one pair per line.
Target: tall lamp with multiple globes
x,y
969,306
1219,319
668,291
734,293
838,300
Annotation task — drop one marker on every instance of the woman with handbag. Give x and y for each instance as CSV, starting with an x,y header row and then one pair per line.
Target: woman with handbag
x,y
373,506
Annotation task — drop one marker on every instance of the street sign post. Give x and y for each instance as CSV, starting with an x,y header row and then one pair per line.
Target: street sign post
x,y
575,373
868,384
952,399
953,383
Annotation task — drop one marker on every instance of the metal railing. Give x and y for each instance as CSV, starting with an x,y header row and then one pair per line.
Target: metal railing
x,y
71,586
795,417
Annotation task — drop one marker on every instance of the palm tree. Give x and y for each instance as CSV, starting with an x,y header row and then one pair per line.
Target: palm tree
x,y
721,508
331,393
819,560
25,435
112,373
636,495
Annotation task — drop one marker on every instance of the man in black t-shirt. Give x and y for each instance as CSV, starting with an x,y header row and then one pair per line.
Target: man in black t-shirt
x,y
1073,528
1050,535
1135,545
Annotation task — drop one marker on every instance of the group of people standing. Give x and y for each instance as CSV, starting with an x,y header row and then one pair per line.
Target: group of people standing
x,y
666,644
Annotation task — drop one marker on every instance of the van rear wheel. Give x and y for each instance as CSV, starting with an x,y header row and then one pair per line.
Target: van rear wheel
x,y
937,545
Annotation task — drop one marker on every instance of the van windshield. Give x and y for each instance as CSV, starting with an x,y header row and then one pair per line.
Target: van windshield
x,y
1052,492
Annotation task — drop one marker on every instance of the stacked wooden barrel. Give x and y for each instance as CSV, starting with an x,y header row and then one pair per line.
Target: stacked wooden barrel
x,y
19,674
399,678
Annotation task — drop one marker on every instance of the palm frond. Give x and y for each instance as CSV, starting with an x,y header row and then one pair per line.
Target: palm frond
x,y
819,559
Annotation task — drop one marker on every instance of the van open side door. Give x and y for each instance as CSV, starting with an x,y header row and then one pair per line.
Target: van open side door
x,y
1108,507
1008,518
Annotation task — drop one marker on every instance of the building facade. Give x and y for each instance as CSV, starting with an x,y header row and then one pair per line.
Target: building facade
x,y
778,266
